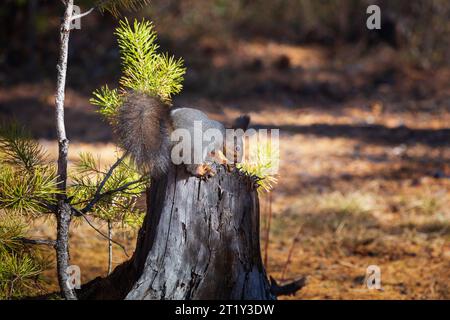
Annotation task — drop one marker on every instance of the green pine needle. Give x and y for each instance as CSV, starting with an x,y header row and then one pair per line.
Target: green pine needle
x,y
118,207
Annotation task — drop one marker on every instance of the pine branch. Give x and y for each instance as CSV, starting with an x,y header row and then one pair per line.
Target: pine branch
x,y
45,242
94,201
20,266
87,164
115,6
98,194
27,192
112,6
110,196
109,101
143,68
122,187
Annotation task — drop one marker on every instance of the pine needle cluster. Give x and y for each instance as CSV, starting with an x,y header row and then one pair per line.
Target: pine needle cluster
x,y
261,162
144,68
21,265
27,180
27,189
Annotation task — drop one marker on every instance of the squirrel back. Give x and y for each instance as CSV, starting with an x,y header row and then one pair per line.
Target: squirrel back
x,y
144,126
143,129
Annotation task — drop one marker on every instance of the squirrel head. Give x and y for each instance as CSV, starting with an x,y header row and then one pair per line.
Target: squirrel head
x,y
236,139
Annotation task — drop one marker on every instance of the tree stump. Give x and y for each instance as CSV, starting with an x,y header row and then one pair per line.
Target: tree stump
x,y
199,240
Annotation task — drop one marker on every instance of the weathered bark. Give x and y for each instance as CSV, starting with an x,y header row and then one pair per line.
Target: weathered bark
x,y
200,240
63,218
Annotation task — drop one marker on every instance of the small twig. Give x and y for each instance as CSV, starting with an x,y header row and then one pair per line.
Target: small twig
x,y
81,15
109,192
45,242
80,202
291,250
11,289
122,187
78,213
97,195
100,232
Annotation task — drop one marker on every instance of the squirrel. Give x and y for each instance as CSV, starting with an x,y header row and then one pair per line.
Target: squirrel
x,y
144,127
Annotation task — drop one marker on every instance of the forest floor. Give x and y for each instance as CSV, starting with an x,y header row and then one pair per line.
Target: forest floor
x,y
364,176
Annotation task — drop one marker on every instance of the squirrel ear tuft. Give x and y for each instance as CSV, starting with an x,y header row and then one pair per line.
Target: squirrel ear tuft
x,y
241,122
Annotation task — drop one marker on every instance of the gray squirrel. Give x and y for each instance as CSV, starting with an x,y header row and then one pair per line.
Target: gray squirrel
x,y
144,127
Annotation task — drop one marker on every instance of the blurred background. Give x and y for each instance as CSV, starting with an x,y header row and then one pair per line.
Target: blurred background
x,y
364,117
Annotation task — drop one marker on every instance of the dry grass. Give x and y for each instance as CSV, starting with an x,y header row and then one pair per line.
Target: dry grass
x,y
401,226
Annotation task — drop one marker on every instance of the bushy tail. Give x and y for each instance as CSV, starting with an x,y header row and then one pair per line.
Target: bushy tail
x,y
143,129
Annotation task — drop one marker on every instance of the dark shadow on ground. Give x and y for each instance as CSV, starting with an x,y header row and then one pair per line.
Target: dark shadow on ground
x,y
370,133
38,117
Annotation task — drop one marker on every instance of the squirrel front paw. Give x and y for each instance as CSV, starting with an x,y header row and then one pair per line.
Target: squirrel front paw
x,y
203,171
219,157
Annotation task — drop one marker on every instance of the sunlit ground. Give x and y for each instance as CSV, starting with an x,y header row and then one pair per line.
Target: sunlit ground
x,y
362,181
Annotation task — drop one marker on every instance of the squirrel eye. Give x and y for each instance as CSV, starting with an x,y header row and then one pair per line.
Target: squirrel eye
x,y
237,148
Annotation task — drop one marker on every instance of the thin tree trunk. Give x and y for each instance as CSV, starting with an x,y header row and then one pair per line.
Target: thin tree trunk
x,y
63,207
110,252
